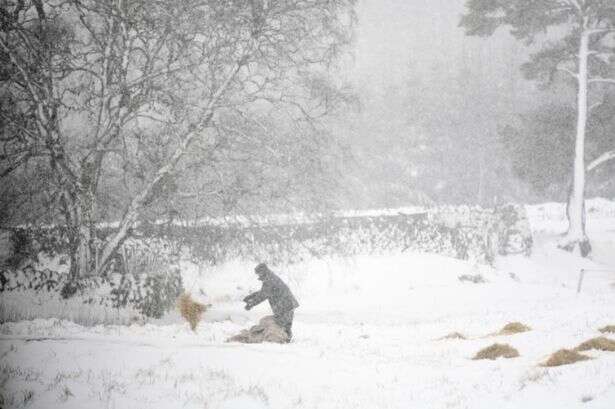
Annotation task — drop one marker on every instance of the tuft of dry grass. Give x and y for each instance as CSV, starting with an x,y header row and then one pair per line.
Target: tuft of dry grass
x,y
565,357
496,351
476,279
599,343
513,328
191,310
453,335
608,329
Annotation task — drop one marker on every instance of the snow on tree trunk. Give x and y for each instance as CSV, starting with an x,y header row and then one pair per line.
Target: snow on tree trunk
x,y
81,211
576,239
84,252
81,235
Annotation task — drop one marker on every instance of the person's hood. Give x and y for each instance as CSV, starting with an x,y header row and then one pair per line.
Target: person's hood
x,y
264,276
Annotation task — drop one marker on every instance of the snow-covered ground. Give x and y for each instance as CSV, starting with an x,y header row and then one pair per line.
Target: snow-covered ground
x,y
365,336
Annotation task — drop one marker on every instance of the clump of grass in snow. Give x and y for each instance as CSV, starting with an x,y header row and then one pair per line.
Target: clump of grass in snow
x,y
27,396
513,328
65,394
453,335
565,357
599,343
608,329
191,310
15,399
533,376
496,351
476,279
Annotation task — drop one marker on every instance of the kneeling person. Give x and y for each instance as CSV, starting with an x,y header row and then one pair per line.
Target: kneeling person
x,y
281,300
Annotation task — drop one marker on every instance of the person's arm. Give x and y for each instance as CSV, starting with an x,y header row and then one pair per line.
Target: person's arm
x,y
258,297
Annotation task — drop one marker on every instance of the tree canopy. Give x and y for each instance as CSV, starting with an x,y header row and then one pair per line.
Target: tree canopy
x,y
138,97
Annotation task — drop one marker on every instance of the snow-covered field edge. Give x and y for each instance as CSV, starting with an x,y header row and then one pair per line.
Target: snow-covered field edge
x,y
366,336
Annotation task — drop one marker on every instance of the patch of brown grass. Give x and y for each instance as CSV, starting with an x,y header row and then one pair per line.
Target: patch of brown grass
x,y
496,351
599,343
608,329
453,335
513,328
565,357
191,310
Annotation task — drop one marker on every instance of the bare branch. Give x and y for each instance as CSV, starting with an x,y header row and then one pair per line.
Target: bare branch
x,y
605,157
597,80
569,72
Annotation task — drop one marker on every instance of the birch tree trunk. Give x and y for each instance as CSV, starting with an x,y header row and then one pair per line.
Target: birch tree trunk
x,y
80,213
82,254
576,239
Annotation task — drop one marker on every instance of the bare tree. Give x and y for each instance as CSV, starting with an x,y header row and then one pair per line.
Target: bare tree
x,y
98,83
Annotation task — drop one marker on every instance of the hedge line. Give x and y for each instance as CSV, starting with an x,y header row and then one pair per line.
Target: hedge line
x,y
462,232
150,294
141,275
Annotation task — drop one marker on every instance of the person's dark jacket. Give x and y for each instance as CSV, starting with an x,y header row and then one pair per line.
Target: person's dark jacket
x,y
276,291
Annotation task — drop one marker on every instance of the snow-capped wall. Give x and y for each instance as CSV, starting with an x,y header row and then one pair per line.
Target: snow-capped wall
x,y
463,232
467,233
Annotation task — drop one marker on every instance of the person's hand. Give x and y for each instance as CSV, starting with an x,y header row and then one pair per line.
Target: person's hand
x,y
247,307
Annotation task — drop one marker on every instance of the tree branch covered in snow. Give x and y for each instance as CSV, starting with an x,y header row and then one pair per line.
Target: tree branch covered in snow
x,y
122,91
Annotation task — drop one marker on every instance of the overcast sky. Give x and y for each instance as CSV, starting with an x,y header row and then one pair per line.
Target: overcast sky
x,y
397,39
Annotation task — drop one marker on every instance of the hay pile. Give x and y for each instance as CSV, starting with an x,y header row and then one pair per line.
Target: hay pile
x,y
266,331
496,351
608,329
565,357
513,328
191,310
599,343
453,335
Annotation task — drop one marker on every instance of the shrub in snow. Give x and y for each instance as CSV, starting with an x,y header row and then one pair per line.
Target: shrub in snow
x,y
18,247
150,294
29,278
504,229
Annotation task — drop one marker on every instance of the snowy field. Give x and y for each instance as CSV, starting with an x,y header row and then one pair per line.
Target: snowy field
x,y
365,336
